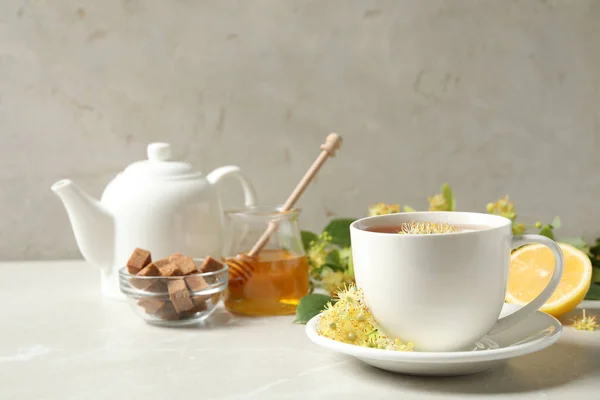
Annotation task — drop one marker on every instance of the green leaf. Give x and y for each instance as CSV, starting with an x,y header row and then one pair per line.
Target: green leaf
x,y
409,209
595,248
307,237
593,293
546,230
596,275
449,196
351,266
556,223
309,306
331,266
339,229
333,257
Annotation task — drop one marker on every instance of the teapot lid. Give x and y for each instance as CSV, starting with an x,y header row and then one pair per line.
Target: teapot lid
x,y
160,165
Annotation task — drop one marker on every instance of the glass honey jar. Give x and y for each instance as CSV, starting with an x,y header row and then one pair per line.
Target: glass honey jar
x,y
278,276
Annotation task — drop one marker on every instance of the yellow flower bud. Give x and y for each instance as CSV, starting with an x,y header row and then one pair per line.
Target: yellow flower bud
x,y
383,209
518,229
438,203
502,203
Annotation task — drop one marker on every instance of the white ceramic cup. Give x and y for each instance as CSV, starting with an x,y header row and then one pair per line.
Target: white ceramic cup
x,y
441,291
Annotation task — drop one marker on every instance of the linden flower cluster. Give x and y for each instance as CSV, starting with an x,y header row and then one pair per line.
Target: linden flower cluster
x,y
349,321
585,323
330,279
424,228
439,203
317,252
384,209
443,201
505,208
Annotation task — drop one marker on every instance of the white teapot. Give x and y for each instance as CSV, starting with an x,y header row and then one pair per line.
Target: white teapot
x,y
158,204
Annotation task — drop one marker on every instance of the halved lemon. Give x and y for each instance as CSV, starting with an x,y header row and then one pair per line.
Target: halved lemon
x,y
531,267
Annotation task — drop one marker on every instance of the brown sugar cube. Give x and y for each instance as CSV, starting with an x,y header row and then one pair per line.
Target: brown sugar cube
x,y
138,260
187,314
199,303
151,305
170,269
179,295
185,264
149,270
175,256
196,283
149,285
199,306
168,312
161,263
152,269
211,265
158,287
143,284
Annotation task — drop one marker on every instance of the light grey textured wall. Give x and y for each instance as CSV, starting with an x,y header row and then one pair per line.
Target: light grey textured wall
x,y
494,97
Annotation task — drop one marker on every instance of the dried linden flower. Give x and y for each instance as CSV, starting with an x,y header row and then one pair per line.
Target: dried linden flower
x,y
349,321
585,323
424,228
383,209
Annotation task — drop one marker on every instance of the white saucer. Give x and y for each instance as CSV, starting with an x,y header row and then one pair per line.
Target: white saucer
x,y
533,334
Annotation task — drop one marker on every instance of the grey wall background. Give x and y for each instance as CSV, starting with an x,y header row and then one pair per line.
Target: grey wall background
x,y
495,97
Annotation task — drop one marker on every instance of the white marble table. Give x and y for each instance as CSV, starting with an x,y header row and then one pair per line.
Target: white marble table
x,y
59,339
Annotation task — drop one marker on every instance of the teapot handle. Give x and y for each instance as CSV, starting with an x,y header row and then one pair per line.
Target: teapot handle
x,y
232,170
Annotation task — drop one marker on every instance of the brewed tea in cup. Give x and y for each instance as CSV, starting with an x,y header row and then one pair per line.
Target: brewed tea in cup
x,y
438,279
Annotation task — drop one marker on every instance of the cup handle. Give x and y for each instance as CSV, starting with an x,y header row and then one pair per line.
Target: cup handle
x,y
232,170
512,319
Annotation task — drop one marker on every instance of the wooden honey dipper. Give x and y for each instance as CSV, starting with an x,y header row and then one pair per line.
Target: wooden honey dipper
x,y
240,267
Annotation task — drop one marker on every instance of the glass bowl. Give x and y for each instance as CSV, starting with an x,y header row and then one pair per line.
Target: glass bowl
x,y
174,300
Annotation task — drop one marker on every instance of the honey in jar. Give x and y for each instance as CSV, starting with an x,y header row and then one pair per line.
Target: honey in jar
x,y
279,277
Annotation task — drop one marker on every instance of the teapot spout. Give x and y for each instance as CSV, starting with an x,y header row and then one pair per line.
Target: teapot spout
x,y
93,225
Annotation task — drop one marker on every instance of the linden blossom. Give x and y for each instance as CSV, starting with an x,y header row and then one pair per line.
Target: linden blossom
x,y
424,228
585,323
350,321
